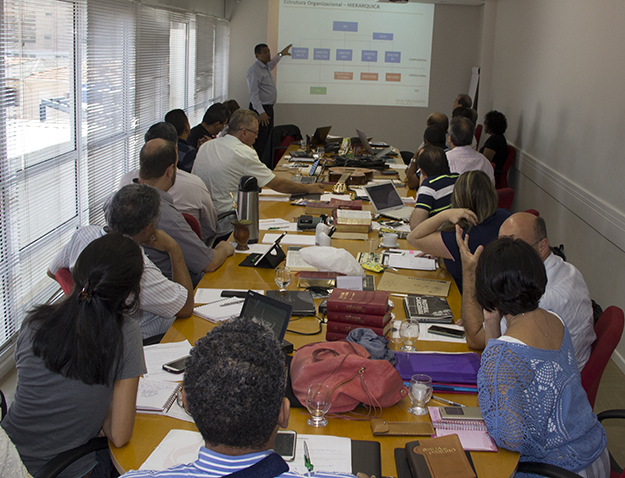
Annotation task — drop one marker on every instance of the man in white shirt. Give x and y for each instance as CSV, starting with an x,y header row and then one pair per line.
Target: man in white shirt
x,y
263,93
566,293
222,162
462,157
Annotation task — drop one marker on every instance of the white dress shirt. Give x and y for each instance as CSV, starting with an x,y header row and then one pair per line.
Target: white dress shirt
x,y
465,158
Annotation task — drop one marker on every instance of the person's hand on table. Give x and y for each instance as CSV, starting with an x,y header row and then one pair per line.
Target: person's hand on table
x,y
469,259
263,119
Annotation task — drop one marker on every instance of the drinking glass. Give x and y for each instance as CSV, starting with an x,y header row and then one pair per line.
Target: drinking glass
x,y
318,403
420,392
409,333
283,277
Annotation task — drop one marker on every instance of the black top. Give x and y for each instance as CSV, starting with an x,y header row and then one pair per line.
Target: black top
x,y
196,133
497,142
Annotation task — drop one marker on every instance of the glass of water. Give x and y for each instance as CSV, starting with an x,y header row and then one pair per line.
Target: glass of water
x,y
282,278
318,403
420,392
409,333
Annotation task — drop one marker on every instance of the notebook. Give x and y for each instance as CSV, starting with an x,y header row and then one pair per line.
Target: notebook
x,y
377,152
387,201
155,396
473,434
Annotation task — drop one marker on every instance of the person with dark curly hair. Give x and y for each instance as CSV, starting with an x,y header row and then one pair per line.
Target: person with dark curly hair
x,y
496,147
234,386
529,387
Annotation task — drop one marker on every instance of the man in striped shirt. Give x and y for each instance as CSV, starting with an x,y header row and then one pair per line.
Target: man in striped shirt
x,y
437,184
134,211
234,386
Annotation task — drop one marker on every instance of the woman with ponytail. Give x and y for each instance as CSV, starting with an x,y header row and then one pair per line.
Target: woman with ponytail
x,y
79,361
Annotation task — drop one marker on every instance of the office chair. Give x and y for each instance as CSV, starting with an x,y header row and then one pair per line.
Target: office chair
x,y
501,181
193,223
64,278
478,134
609,329
506,196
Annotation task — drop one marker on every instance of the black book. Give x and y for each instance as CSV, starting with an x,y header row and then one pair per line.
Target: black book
x,y
428,308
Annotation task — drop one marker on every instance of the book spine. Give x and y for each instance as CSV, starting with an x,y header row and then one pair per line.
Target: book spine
x,y
366,320
333,336
345,328
354,307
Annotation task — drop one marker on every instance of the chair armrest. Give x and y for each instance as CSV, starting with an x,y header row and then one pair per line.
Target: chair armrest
x,y
544,469
66,458
611,414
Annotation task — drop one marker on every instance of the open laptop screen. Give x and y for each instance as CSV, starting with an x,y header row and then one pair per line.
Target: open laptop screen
x,y
384,196
273,312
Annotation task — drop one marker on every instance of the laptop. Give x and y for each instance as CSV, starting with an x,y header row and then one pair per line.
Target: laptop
x,y
272,312
378,152
387,201
319,138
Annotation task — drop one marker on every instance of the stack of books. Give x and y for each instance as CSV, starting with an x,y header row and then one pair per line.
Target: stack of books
x,y
326,207
353,309
349,220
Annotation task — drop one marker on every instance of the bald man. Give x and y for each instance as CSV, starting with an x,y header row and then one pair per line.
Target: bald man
x,y
566,293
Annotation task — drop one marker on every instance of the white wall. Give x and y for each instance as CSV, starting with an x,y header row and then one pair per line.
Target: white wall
x,y
557,75
455,50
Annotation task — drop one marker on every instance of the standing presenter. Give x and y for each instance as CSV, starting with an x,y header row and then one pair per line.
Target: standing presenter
x,y
263,92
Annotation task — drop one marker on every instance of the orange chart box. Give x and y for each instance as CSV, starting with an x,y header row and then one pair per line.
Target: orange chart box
x,y
343,75
393,77
369,76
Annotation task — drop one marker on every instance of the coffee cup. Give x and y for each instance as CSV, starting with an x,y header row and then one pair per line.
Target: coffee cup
x,y
389,239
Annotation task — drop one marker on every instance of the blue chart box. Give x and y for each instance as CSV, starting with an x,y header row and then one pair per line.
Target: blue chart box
x,y
343,55
321,54
392,57
382,36
345,26
369,55
299,53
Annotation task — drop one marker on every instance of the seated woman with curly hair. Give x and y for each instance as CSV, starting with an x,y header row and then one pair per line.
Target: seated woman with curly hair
x,y
496,147
529,387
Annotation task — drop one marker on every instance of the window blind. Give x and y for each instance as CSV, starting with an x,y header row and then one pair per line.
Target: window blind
x,y
82,81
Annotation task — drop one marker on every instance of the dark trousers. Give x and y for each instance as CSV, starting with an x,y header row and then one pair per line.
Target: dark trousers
x,y
263,131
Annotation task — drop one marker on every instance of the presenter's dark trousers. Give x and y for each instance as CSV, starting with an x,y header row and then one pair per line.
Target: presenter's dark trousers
x,y
263,131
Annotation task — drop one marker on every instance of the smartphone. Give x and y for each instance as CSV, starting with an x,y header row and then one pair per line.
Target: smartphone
x,y
285,444
176,366
445,331
461,413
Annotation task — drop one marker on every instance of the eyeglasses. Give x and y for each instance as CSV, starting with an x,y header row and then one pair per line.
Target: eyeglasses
x,y
251,131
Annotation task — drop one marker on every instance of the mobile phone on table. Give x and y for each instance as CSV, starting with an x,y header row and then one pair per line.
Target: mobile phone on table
x,y
284,444
176,366
446,331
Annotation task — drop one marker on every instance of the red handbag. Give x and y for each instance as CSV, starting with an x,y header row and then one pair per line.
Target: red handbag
x,y
349,372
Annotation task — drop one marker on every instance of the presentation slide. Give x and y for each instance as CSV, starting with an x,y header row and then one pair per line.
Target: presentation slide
x,y
355,53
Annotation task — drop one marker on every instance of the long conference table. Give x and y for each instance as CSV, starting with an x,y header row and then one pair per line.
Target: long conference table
x,y
149,430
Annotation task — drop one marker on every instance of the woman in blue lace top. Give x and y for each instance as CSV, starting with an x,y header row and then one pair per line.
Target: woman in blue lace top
x,y
530,390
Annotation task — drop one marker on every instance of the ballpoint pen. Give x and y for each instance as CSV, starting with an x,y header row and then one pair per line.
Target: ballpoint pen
x,y
232,303
307,462
448,402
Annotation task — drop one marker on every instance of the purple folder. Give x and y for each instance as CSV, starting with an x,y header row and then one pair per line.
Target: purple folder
x,y
441,366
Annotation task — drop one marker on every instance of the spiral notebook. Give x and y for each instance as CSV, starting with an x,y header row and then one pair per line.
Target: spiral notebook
x,y
473,434
156,396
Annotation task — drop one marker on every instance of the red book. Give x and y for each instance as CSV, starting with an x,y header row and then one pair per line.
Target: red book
x,y
370,302
345,328
332,336
364,320
343,204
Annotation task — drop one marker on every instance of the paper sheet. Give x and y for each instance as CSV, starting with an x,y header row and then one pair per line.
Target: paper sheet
x,y
410,260
349,282
177,448
271,192
253,248
290,239
159,354
413,285
327,453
